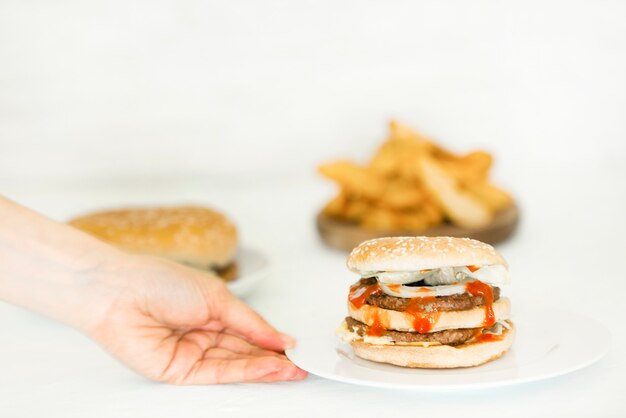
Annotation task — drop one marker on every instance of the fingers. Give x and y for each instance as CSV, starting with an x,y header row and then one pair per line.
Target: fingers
x,y
221,353
255,369
238,345
282,376
242,320
227,342
205,357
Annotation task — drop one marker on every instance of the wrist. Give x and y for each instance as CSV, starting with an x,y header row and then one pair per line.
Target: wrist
x,y
92,292
53,269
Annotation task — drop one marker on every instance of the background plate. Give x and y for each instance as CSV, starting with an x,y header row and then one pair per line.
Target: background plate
x,y
345,235
253,267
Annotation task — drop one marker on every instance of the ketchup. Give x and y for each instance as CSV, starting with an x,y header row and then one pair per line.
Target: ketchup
x,y
376,329
394,287
485,338
358,298
359,293
473,268
422,321
478,288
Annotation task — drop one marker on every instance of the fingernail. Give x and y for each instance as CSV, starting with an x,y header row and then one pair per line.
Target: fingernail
x,y
288,341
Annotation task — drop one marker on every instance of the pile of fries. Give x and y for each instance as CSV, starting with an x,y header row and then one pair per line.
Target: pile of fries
x,y
414,184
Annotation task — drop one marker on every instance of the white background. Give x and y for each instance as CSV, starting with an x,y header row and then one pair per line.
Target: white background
x,y
233,104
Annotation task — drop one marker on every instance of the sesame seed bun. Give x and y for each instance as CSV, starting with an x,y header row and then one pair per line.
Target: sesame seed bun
x,y
197,236
419,253
437,356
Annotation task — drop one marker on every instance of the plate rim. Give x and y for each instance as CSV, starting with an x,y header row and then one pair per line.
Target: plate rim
x,y
601,352
344,235
244,285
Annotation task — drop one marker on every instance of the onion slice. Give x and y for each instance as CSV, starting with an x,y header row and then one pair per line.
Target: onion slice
x,y
495,274
398,277
402,291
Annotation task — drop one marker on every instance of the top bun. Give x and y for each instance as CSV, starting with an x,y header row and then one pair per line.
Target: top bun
x,y
420,253
197,236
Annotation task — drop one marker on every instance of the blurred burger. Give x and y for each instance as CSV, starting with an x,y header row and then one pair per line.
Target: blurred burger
x,y
196,236
428,302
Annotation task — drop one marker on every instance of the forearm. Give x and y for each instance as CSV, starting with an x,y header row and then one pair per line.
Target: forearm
x,y
53,269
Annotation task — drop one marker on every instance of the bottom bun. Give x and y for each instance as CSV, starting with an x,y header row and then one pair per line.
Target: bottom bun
x,y
438,356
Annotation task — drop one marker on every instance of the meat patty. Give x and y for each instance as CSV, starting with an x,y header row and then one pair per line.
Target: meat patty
x,y
447,337
228,272
440,303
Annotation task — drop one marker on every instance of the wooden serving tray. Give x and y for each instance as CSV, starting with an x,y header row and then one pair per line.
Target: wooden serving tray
x,y
345,235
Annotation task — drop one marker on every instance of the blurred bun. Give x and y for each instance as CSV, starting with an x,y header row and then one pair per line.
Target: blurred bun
x,y
417,253
197,236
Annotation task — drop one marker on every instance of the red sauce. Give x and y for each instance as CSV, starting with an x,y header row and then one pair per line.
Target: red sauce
x,y
473,268
376,329
478,288
486,338
422,321
358,298
394,287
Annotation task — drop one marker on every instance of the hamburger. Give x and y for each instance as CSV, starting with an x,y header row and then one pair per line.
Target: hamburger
x,y
196,236
428,302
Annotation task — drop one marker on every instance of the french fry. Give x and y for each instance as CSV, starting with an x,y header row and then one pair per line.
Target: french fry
x,y
336,207
377,218
433,211
401,195
358,180
461,207
399,150
492,196
419,143
411,183
471,168
416,220
356,208
478,162
385,162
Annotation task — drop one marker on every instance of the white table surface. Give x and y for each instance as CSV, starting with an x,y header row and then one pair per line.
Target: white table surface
x,y
564,253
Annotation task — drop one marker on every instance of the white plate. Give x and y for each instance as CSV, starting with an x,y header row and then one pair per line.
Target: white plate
x,y
539,352
253,267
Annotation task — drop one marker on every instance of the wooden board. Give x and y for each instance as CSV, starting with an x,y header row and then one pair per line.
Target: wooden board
x,y
345,235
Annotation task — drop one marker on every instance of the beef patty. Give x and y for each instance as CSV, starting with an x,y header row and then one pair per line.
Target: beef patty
x,y
440,303
228,272
447,337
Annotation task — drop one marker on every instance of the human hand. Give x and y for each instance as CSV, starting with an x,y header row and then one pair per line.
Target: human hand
x,y
169,322
178,325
